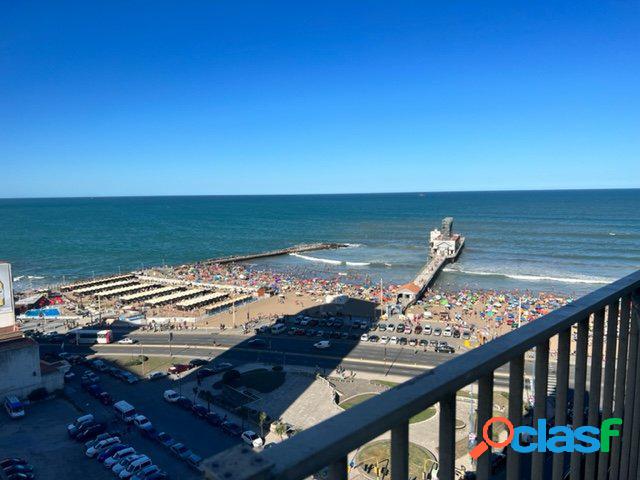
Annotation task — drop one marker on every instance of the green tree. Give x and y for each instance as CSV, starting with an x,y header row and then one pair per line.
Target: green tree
x,y
281,429
262,417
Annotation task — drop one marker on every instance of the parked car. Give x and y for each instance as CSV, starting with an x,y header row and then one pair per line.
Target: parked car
x,y
124,463
364,337
193,460
213,419
109,452
231,428
252,438
171,396
156,375
204,373
146,472
427,330
258,342
197,362
199,411
73,428
447,332
178,368
105,398
437,331
185,403
101,446
445,349
136,466
91,431
180,450
142,422
99,438
11,461
165,439
13,469
117,457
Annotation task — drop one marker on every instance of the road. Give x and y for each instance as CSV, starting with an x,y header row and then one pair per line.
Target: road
x,y
383,360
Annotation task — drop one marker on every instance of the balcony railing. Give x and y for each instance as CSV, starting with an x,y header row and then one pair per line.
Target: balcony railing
x,y
606,386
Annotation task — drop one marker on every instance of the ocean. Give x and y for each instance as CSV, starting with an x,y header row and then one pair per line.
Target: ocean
x,y
569,242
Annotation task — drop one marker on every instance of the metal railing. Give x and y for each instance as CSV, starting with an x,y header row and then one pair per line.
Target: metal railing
x,y
612,391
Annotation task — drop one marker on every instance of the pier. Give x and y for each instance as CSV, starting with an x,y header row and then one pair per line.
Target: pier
x,y
307,247
444,247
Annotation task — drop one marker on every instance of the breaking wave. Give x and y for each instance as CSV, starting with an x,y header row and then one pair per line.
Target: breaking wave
x,y
338,262
535,278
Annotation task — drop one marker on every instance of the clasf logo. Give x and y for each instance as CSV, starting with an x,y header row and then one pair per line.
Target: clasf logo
x,y
557,439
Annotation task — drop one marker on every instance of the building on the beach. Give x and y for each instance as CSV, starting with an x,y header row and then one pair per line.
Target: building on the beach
x,y
20,364
408,292
444,242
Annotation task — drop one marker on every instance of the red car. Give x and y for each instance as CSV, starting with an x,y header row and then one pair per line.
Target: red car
x,y
178,368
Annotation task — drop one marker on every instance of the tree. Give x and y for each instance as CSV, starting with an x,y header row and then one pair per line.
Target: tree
x,y
262,417
281,429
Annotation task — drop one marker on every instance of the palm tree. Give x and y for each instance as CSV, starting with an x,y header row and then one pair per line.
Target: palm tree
x,y
281,429
262,417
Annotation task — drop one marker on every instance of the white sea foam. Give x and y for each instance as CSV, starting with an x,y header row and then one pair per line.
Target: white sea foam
x,y
329,261
535,278
316,259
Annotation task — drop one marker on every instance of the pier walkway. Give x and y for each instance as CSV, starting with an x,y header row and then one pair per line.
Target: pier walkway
x,y
444,247
307,247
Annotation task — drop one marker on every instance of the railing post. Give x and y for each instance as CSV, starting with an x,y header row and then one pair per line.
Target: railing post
x,y
579,387
635,429
485,412
562,387
621,374
447,438
338,470
540,405
595,380
609,372
630,389
516,383
400,451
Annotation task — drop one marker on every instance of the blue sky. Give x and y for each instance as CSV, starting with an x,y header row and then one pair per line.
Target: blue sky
x,y
154,97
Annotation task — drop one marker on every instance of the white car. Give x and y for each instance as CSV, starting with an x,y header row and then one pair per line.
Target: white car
x,y
391,327
408,330
447,332
322,344
364,337
155,375
171,396
426,330
101,446
136,466
127,341
142,422
384,339
393,341
250,437
124,463
118,456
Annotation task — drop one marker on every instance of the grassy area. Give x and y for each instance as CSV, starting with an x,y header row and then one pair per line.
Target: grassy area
x,y
423,415
132,363
353,401
378,453
386,383
420,417
262,380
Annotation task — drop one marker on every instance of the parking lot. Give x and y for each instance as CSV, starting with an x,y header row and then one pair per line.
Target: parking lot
x,y
41,436
434,336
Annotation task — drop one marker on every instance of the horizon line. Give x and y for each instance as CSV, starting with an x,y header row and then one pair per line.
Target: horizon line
x,y
416,192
